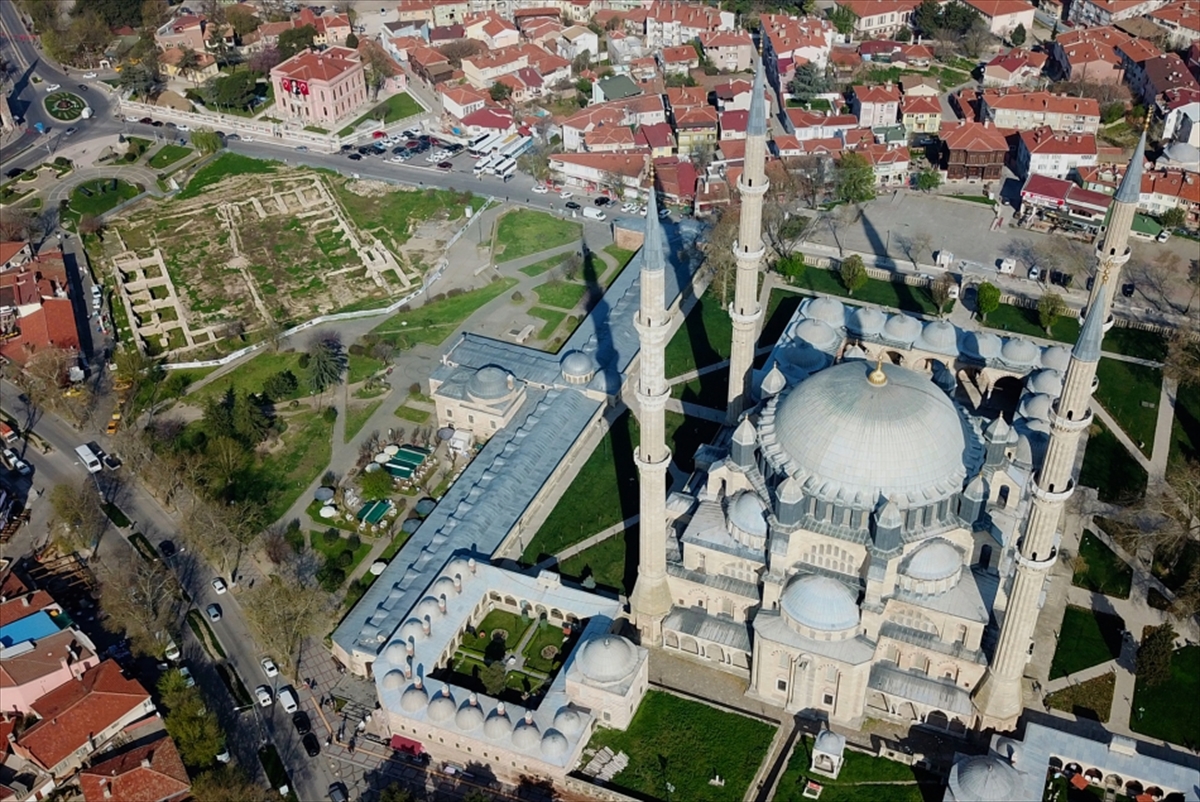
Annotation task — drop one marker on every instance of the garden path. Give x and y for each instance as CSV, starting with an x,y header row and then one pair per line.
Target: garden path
x,y
1162,430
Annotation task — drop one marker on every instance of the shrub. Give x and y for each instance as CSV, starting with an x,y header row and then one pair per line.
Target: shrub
x,y
329,414
331,536
517,298
331,577
303,361
345,558
354,541
357,350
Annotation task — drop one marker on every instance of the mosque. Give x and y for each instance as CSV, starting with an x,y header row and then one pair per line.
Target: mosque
x,y
865,538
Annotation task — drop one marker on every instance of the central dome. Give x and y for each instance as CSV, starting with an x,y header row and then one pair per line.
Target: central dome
x,y
821,603
857,436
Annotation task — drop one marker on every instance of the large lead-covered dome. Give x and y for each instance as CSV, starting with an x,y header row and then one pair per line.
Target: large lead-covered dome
x,y
848,434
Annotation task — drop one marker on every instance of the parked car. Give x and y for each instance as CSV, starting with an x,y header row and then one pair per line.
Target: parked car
x,y
355,157
445,166
566,193
172,652
287,698
70,131
1035,273
188,679
219,586
1163,236
540,189
269,668
167,549
337,793
311,745
213,612
89,75
603,200
146,121
1128,289
572,205
264,695
182,127
302,722
114,423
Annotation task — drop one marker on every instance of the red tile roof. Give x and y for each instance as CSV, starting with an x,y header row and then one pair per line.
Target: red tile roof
x,y
328,65
149,773
873,8
920,104
973,137
9,249
658,135
627,163
999,8
735,120
609,136
44,658
1045,140
25,605
888,93
1042,101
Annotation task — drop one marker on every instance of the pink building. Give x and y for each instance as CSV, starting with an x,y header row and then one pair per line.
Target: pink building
x,y
320,87
33,669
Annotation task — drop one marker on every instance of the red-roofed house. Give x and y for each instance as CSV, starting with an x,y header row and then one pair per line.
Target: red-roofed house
x,y
1064,202
491,29
152,772
856,138
1017,67
695,128
77,719
814,125
1180,110
206,65
1003,16
35,310
921,114
332,28
679,60
489,119
787,145
973,151
608,138
14,254
794,41
185,31
1161,189
733,150
732,51
675,181
25,604
1089,55
1044,152
317,88
670,24
680,98
875,105
591,171
733,124
658,138
1024,111
889,162
585,120
1158,75
878,19
482,70
459,101
1091,13
1182,19
39,666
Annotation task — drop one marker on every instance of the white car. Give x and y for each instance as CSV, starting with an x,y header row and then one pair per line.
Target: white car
x,y
540,189
53,87
1035,273
264,695
172,652
247,139
219,586
269,668
628,207
132,119
223,756
566,193
182,127
89,75
188,679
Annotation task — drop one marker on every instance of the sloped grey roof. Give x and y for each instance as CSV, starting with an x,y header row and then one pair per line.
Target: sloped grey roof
x,y
729,584
945,696
971,598
716,629
769,624
473,351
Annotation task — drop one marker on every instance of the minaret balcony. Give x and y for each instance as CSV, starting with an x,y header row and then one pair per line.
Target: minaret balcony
x,y
748,256
1052,496
1108,324
1095,384
1037,565
1063,423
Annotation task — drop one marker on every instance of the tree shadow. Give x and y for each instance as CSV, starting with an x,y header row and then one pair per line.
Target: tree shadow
x,y
400,768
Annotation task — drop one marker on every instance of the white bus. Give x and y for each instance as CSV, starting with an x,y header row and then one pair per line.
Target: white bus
x,y
515,149
507,171
501,165
484,165
484,146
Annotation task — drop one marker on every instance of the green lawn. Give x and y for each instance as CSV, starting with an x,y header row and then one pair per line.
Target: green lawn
x,y
414,415
538,268
685,743
1109,468
560,294
524,231
1125,391
308,446
622,255
552,318
1170,712
64,106
1018,320
607,562
1135,342
547,634
395,215
434,321
362,367
858,779
168,155
248,377
513,625
357,416
876,291
331,550
704,338
103,197
1087,638
1105,572
396,107
222,167
1185,430
1088,699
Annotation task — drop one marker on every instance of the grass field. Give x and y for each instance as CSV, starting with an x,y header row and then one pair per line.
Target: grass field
x,y
622,255
513,625
1087,638
560,294
704,338
308,445
524,232
685,743
547,634
361,367
410,414
1109,468
248,377
538,268
1125,391
396,107
859,779
1018,320
552,318
611,562
330,551
222,167
1166,713
103,198
394,215
1088,699
434,321
1135,342
168,155
876,291
1185,430
357,416
1105,572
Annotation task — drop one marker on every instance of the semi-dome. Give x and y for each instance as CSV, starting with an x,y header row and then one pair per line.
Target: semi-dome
x,y
854,436
413,699
982,344
1035,406
497,726
748,513
803,357
1057,357
469,717
412,628
902,328
489,383
396,652
569,721
393,680
526,735
578,367
1046,380
829,310
444,586
1019,351
817,333
983,778
937,559
821,603
867,321
610,658
554,744
442,707
940,336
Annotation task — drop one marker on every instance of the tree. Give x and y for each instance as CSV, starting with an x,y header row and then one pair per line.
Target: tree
x,y
1183,356
717,248
853,273
903,35
193,727
500,92
352,41
940,291
242,20
142,600
1155,653
809,82
1017,37
855,179
230,784
458,50
581,62
236,91
139,79
927,17
326,362
928,179
492,678
977,38
225,460
262,61
843,19
293,40
536,162
377,66
791,266
77,519
987,299
1050,308
376,485
285,609
584,87
281,385
207,141
16,225
1173,218
189,62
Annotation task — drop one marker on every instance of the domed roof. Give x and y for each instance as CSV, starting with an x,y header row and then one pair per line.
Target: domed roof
x,y
1046,380
497,726
457,566
396,652
936,560
830,742
1035,406
609,658
393,680
746,512
413,699
469,717
1057,357
444,586
774,382
1019,351
803,356
412,628
817,333
526,735
442,707
867,320
982,344
983,778
428,606
554,744
821,603
578,365
829,310
903,437
940,336
568,720
489,383
902,328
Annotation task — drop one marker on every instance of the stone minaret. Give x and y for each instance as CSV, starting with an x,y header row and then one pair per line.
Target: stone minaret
x,y
999,698
748,250
651,599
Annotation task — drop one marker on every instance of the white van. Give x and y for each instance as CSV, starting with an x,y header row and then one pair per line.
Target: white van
x,y
88,458
592,213
287,698
1007,266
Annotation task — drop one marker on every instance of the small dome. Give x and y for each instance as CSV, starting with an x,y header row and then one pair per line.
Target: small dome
x,y
937,559
457,566
569,721
393,680
817,333
489,383
554,744
1046,380
1024,456
396,652
1056,357
774,382
412,628
1183,153
578,366
867,321
1019,351
983,778
902,328
821,603
748,513
828,310
444,586
1035,406
609,658
1008,749
939,336
469,717
982,344
413,699
442,707
802,356
830,742
526,735
497,726
428,606
854,351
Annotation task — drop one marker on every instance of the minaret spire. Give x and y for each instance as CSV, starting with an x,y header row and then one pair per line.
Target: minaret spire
x,y
651,599
745,310
999,696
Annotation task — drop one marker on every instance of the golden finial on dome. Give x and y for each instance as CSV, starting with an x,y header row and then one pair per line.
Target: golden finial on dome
x,y
877,377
